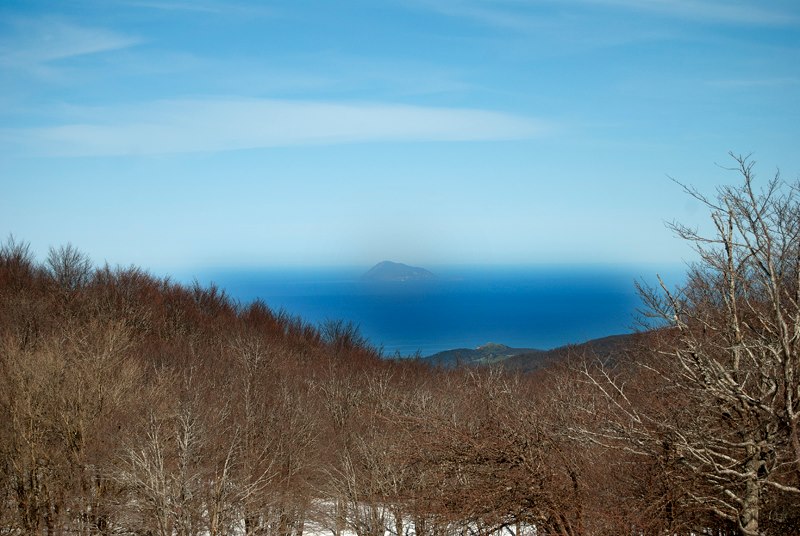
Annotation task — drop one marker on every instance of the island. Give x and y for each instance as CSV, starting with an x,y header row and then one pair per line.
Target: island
x,y
396,271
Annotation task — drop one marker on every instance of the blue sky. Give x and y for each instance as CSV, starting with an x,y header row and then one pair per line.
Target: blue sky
x,y
177,135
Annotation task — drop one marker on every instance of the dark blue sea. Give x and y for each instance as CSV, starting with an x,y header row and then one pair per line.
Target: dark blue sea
x,y
465,307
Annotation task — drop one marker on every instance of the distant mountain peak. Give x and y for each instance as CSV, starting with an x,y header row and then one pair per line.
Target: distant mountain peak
x,y
396,271
492,346
487,354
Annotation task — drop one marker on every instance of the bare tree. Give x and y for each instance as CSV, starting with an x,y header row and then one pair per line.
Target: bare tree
x,y
16,261
167,465
729,359
69,267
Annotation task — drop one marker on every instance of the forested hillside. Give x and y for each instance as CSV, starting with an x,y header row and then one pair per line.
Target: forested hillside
x,y
130,404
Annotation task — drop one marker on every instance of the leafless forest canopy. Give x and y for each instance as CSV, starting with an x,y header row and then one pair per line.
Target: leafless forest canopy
x,y
134,405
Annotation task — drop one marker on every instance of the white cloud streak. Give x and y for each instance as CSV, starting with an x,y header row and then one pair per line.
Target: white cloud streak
x,y
209,7
746,83
36,42
183,126
520,15
707,10
177,6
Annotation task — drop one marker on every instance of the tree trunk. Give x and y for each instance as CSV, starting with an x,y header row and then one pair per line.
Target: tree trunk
x,y
398,522
748,518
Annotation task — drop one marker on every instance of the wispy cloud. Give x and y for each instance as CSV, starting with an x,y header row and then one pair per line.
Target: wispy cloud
x,y
201,7
31,43
744,83
211,7
549,26
726,11
507,14
182,126
516,14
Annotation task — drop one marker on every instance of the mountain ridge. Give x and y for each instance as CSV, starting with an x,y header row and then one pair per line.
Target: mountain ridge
x,y
527,359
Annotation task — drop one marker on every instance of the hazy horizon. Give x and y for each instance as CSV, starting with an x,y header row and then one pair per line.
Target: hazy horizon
x,y
541,307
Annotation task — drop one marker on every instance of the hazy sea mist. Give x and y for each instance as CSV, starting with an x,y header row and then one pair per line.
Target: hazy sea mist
x,y
540,307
